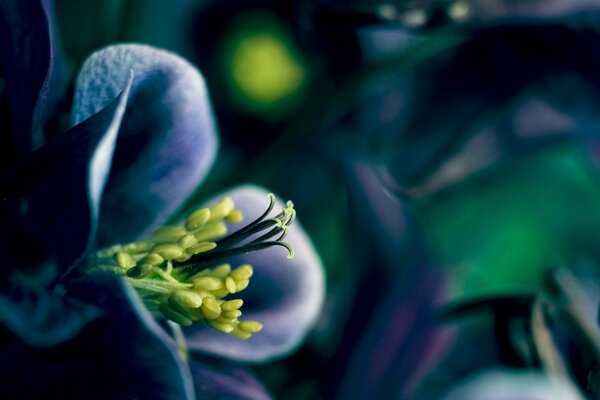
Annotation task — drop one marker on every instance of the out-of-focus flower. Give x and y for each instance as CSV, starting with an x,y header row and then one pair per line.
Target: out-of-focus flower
x,y
143,138
514,385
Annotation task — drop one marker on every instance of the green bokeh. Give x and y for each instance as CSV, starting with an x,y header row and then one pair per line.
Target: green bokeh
x,y
500,231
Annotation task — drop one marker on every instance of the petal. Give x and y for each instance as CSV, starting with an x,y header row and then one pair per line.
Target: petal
x,y
284,294
57,189
402,340
28,51
514,385
167,140
225,381
503,11
126,354
41,318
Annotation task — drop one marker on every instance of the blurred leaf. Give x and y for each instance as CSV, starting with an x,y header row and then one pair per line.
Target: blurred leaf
x,y
496,234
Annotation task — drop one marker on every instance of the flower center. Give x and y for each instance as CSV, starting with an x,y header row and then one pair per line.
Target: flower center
x,y
179,271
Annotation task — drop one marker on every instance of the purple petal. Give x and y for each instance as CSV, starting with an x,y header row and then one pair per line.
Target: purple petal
x,y
40,317
57,189
284,294
225,382
130,355
498,11
28,52
166,143
514,385
402,341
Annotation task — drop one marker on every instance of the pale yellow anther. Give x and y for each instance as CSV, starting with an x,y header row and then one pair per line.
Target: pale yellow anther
x,y
169,233
241,285
197,218
232,305
231,314
124,260
224,320
201,248
231,285
168,251
250,326
221,209
207,283
219,293
183,257
174,316
187,298
210,231
223,327
187,241
210,308
234,217
240,334
242,272
203,294
152,259
138,247
221,271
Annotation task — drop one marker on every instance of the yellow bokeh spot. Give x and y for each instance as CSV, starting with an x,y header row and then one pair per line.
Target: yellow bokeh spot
x,y
265,69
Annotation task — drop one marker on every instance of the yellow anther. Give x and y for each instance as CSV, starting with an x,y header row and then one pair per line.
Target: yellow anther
x,y
167,233
187,298
224,320
234,217
221,271
210,231
187,241
210,308
138,247
223,327
219,293
250,326
152,259
183,257
207,283
242,272
124,260
168,251
230,285
231,314
241,334
203,294
174,316
241,285
201,248
197,218
232,305
221,209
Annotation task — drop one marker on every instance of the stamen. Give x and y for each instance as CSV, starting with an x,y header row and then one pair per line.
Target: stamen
x,y
179,271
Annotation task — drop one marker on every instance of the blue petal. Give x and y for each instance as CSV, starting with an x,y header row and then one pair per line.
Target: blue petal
x,y
284,294
507,11
56,190
167,141
29,53
225,381
503,384
402,341
40,317
122,355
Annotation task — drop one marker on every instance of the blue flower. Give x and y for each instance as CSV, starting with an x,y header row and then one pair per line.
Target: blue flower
x,y
143,138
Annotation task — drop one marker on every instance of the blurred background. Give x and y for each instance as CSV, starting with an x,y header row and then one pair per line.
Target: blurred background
x,y
443,157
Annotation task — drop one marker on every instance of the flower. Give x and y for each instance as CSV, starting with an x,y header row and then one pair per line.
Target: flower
x,y
143,137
